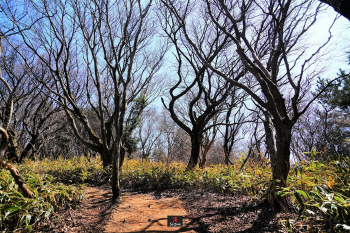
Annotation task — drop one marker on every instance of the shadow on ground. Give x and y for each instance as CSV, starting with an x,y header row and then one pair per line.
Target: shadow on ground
x,y
211,212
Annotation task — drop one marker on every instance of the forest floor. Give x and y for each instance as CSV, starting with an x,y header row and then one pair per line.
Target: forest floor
x,y
147,212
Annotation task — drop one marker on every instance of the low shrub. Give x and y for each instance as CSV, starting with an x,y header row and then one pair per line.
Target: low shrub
x,y
19,213
319,190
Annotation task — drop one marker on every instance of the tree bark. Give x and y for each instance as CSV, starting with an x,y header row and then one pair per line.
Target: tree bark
x,y
28,147
122,157
227,159
195,150
115,173
227,150
106,158
13,146
204,158
270,140
206,149
283,140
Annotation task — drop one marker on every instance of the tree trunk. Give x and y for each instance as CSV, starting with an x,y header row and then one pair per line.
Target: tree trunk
x,y
115,173
122,157
28,147
283,136
270,140
195,150
203,160
227,152
13,146
227,149
106,159
207,148
227,159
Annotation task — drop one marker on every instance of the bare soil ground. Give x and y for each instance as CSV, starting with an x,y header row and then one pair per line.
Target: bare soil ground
x,y
135,213
143,213
91,216
202,211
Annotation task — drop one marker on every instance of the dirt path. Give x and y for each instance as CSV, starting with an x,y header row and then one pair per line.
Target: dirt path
x,y
203,212
91,216
143,213
135,213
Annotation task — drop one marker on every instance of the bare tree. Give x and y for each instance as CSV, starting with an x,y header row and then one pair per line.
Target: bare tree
x,y
10,20
233,124
149,132
216,154
34,111
209,137
325,133
198,89
100,58
266,37
13,92
256,136
41,118
174,143
203,105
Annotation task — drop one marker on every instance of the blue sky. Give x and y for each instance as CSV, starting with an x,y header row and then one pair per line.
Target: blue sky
x,y
334,55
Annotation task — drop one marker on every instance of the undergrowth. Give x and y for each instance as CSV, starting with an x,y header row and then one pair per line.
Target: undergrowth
x,y
319,191
21,214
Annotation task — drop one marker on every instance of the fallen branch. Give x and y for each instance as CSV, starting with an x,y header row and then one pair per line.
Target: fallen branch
x,y
5,165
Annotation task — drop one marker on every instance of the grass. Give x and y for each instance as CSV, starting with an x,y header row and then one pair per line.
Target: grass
x,y
318,190
19,213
